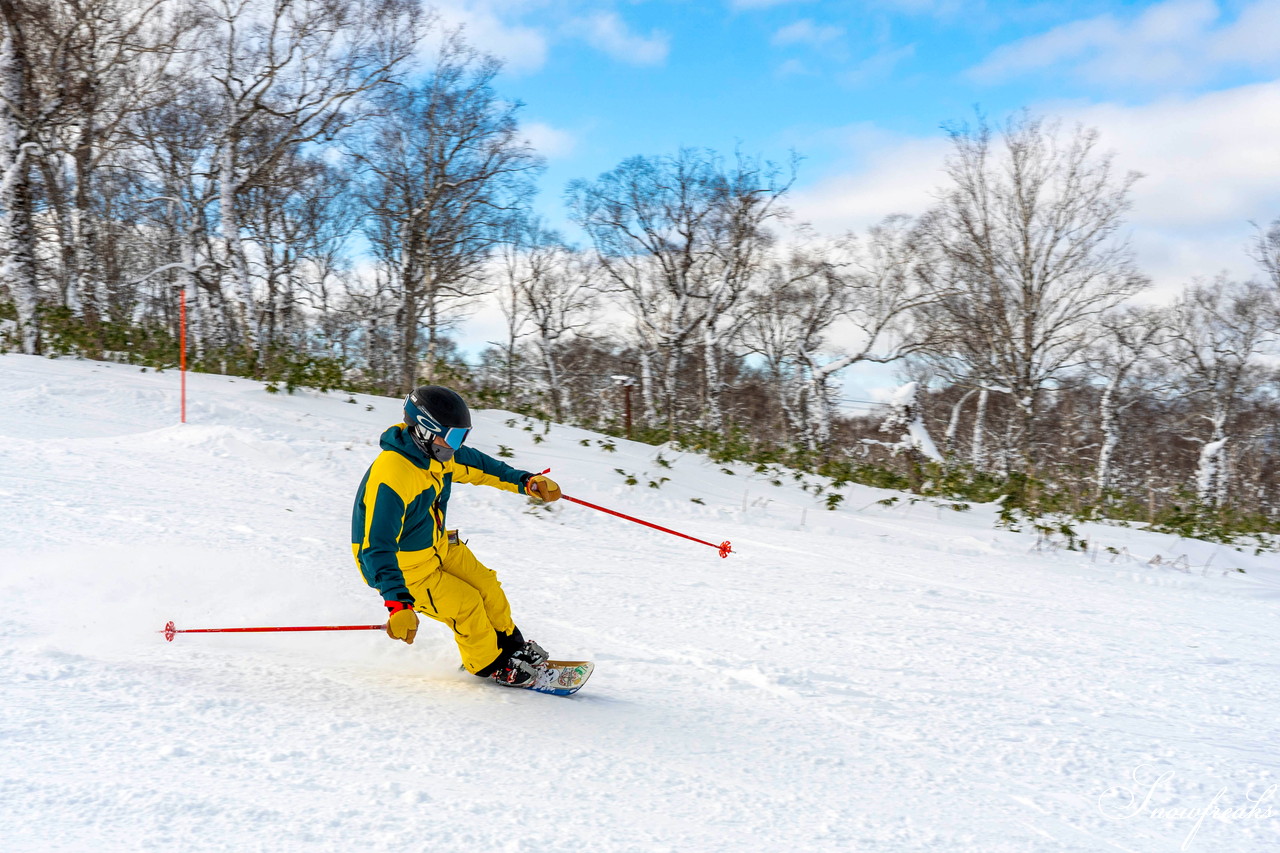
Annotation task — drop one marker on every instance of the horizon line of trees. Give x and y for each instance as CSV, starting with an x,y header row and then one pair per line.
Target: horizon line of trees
x,y
331,205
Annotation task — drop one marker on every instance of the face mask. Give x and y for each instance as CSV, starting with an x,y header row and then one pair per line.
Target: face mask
x,y
425,442
440,454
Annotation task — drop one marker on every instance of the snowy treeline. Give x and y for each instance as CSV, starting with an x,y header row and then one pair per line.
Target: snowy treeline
x,y
332,204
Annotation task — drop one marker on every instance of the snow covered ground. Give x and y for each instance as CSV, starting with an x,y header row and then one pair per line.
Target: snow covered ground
x,y
880,678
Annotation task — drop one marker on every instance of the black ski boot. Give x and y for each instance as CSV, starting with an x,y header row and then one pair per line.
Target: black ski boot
x,y
521,666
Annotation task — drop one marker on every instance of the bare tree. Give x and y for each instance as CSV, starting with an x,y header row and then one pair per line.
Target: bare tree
x,y
680,237
881,294
297,224
446,170
1217,330
548,293
287,73
1024,251
172,161
833,304
1121,360
648,220
558,298
17,231
513,267
746,197
322,217
792,303
1266,251
94,65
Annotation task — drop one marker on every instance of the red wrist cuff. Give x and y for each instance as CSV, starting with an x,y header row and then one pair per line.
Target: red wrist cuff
x,y
397,606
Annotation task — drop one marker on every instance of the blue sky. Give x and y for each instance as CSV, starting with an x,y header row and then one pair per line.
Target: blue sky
x,y
1185,91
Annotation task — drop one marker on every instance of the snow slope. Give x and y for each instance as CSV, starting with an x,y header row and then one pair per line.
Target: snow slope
x,y
874,678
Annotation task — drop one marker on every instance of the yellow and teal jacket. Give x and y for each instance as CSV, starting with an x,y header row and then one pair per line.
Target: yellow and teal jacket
x,y
397,524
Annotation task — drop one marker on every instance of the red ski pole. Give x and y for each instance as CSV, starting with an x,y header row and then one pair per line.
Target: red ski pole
x,y
723,547
170,631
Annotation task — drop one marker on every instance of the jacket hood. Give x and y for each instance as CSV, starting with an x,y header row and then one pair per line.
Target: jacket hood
x,y
397,438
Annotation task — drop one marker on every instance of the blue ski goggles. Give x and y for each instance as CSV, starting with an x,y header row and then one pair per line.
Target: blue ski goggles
x,y
455,436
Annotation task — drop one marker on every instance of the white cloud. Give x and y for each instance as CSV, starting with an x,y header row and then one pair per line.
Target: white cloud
x,y
805,31
503,28
523,49
884,173
1211,165
551,142
1173,43
1253,38
607,32
1205,158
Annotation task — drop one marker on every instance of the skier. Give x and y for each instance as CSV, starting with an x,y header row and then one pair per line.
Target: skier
x,y
400,542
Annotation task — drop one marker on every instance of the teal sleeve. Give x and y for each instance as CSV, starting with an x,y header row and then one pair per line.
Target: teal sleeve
x,y
473,458
378,555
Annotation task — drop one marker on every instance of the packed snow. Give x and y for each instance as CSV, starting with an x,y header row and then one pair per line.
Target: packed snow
x,y
893,676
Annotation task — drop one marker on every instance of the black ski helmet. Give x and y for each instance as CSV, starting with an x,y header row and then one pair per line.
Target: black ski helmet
x,y
435,411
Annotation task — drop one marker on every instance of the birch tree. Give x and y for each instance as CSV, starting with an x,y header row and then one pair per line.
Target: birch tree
x,y
746,198
17,232
648,220
289,73
1121,360
1216,332
876,294
1025,251
296,230
173,153
559,299
513,265
792,303
830,305
446,171
680,238
94,64
1266,251
549,295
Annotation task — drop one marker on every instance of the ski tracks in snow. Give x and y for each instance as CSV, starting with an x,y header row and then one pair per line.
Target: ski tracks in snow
x,y
887,679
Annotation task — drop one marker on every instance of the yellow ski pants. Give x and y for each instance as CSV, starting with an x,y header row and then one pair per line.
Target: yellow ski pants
x,y
465,595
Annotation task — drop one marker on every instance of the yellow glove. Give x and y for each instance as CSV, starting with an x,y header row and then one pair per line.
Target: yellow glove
x,y
543,488
403,624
